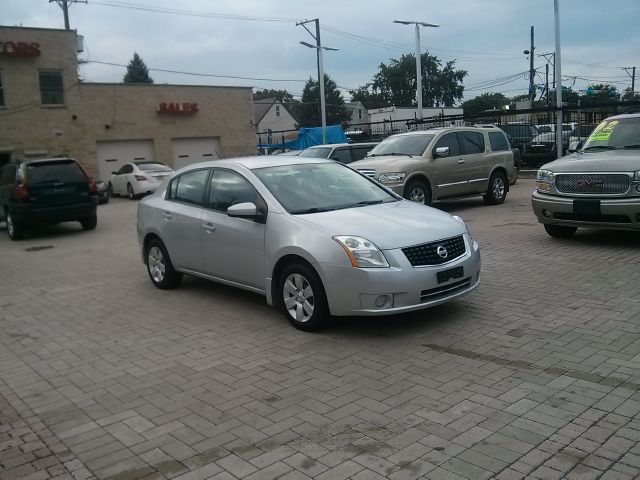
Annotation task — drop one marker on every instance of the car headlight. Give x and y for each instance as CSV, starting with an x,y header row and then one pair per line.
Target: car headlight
x,y
636,176
362,253
544,180
457,218
395,177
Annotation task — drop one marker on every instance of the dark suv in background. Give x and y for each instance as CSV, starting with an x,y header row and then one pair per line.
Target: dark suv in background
x,y
47,191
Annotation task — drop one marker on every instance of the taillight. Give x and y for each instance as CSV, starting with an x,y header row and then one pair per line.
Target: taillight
x,y
140,178
93,188
21,192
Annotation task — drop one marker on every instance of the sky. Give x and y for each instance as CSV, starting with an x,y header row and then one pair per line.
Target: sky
x,y
485,37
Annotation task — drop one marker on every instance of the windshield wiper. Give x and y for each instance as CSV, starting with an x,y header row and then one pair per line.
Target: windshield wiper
x,y
630,147
389,154
607,147
311,210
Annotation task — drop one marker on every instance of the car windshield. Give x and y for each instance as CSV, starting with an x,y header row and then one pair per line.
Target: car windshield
x,y
402,145
320,187
153,167
316,152
615,134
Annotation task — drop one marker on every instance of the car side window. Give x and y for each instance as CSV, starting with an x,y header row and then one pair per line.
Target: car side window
x,y
358,153
498,142
471,142
341,155
125,169
449,140
189,187
229,188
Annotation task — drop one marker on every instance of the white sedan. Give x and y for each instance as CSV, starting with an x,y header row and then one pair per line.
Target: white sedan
x,y
137,178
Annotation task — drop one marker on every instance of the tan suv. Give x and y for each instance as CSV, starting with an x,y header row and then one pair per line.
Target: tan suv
x,y
443,163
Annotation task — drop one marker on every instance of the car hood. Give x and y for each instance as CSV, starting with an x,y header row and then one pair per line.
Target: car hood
x,y
391,163
597,161
388,225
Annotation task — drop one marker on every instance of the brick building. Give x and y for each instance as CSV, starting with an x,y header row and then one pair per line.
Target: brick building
x,y
46,110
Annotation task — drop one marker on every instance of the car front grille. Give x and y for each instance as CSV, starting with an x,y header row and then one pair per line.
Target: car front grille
x,y
444,290
427,253
593,183
368,173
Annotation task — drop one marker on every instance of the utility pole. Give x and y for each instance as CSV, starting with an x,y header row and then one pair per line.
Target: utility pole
x,y
546,86
532,72
64,5
558,73
319,48
633,78
418,61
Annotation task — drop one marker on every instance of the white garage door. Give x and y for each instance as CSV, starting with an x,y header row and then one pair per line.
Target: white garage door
x,y
113,154
193,150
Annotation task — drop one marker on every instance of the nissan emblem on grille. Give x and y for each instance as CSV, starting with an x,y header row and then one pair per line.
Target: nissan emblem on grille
x,y
442,252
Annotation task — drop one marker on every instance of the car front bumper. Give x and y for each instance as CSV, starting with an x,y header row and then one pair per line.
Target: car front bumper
x,y
354,291
615,213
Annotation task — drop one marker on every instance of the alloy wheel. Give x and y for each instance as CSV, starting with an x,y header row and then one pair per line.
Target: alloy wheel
x,y
417,195
298,297
11,229
156,264
498,188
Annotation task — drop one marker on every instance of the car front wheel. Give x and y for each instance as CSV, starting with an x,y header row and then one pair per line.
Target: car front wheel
x,y
497,189
160,268
418,192
558,231
130,193
303,298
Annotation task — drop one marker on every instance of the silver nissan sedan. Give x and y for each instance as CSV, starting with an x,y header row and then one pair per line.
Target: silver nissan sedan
x,y
314,236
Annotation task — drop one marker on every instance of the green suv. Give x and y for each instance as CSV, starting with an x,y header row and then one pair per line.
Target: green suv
x,y
443,163
48,191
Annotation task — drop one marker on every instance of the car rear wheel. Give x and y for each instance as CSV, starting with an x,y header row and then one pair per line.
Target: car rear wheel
x,y
497,189
418,192
89,223
160,268
130,192
303,298
559,231
14,229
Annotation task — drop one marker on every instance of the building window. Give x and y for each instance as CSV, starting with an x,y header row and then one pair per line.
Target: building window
x,y
277,110
51,91
2,104
359,114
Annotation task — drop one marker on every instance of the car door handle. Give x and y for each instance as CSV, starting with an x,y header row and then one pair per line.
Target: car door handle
x,y
208,227
460,162
167,215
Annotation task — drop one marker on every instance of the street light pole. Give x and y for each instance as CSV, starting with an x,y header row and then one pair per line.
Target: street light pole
x,y
558,72
319,48
418,61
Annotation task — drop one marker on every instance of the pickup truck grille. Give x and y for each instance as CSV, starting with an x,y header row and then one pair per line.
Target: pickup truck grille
x,y
368,173
427,253
593,183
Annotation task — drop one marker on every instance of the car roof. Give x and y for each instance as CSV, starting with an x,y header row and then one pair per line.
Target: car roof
x,y
262,161
46,160
624,115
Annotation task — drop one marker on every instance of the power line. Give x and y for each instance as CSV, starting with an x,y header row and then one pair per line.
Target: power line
x,y
191,13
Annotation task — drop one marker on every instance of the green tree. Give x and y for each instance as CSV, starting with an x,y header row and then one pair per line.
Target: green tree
x,y
334,104
369,99
137,71
282,95
395,83
599,93
486,101
630,96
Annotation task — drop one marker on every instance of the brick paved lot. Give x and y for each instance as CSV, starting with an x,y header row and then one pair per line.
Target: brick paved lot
x,y
536,374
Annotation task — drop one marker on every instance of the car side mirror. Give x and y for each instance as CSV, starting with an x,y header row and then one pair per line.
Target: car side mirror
x,y
442,152
243,210
574,147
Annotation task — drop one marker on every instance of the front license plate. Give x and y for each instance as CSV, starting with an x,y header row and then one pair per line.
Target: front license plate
x,y
586,207
450,274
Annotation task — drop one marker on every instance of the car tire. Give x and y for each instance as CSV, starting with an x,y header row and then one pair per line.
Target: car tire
x,y
417,191
159,266
14,228
110,192
89,223
497,192
130,193
302,297
559,231
107,197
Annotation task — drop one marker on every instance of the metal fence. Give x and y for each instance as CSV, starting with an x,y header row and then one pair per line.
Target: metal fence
x,y
531,131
